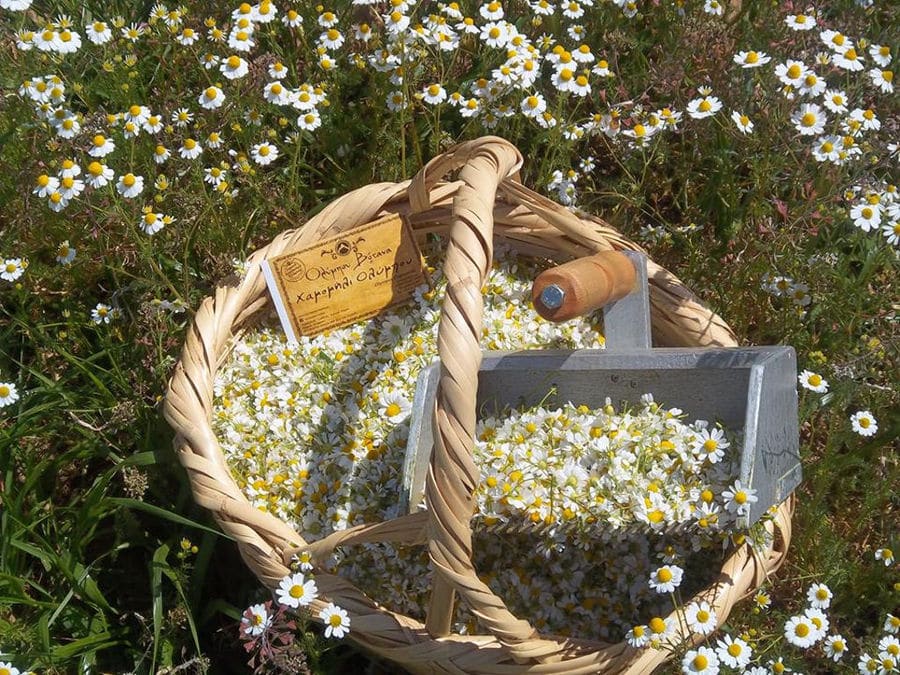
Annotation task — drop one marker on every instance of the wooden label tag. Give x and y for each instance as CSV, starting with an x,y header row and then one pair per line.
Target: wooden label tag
x,y
345,279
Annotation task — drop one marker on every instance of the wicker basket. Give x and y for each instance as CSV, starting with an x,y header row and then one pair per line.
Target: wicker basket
x,y
484,202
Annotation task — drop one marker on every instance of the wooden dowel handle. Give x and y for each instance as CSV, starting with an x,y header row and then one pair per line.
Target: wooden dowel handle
x,y
583,285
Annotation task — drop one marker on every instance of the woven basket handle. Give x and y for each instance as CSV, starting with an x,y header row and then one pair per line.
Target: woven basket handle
x,y
452,474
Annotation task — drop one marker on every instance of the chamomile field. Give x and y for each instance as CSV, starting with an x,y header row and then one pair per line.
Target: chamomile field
x,y
147,149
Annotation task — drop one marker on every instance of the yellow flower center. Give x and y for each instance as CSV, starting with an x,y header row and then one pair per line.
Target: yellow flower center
x,y
234,61
740,497
11,267
581,81
656,516
393,410
752,57
744,120
43,180
700,662
4,392
808,120
657,625
864,422
710,445
150,218
296,591
190,144
869,114
640,130
99,26
135,110
810,80
794,72
56,198
494,33
705,106
734,649
128,179
801,19
838,39
850,54
866,212
702,616
68,182
638,631
802,630
664,575
815,380
264,151
335,620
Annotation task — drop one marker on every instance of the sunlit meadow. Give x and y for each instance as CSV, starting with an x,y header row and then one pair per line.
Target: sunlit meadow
x,y
146,150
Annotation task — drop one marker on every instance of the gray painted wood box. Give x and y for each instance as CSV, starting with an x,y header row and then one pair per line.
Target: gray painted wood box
x,y
749,389
752,390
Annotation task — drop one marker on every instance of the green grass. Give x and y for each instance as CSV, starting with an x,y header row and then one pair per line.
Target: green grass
x,y
93,505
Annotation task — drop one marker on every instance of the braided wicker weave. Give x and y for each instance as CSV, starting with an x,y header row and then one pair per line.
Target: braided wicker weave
x,y
484,202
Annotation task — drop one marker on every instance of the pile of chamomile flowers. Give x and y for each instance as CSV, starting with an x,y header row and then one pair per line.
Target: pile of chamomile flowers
x,y
575,506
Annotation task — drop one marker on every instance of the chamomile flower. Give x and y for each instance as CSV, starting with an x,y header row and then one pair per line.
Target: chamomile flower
x,y
137,114
813,382
45,185
791,72
103,313
8,395
295,590
187,37
101,146
211,98
700,661
706,106
812,84
309,120
65,253
98,32
638,636
800,632
891,622
733,652
241,41
434,94
751,59
396,22
234,67
835,100
12,269
742,122
161,154
495,34
819,596
701,618
533,106
331,39
190,149
835,647
866,216
151,222
836,41
336,620
292,18
710,444
713,7
395,406
395,100
849,60
866,119
800,22
883,79
264,153
881,54
214,140
809,119
864,423
739,499
255,620
130,185
153,125
886,556
666,578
